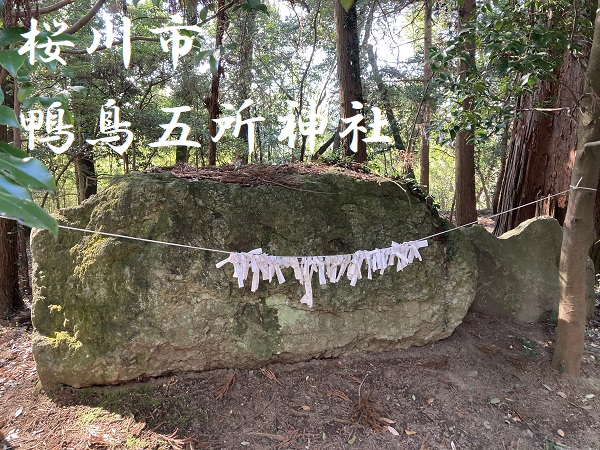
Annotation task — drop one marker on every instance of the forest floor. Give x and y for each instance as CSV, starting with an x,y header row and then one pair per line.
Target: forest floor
x,y
488,386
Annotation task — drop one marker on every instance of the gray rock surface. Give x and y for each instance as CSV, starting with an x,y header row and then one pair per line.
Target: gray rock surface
x,y
108,310
518,271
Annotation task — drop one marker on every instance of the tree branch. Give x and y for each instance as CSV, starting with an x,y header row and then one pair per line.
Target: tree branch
x,y
85,19
57,5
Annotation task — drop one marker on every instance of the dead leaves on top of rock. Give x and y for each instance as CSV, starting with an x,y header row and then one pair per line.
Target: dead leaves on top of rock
x,y
262,174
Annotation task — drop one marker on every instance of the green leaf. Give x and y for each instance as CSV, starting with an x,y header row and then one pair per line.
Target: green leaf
x,y
204,13
12,61
8,117
10,187
203,54
12,35
78,89
347,4
46,102
24,91
12,150
28,172
27,212
214,65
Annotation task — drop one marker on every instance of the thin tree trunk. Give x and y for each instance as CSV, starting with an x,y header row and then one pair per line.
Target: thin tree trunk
x,y
578,232
182,154
213,103
504,146
466,204
244,76
348,70
385,99
85,171
427,73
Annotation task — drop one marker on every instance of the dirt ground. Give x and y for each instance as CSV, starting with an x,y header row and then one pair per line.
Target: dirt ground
x,y
489,386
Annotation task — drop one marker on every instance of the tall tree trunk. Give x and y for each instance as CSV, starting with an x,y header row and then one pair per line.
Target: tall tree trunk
x,y
427,73
504,149
10,295
182,154
385,99
466,203
579,232
542,149
347,50
213,102
244,77
85,173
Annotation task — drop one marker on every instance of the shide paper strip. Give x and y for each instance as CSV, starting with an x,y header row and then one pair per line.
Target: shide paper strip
x,y
329,268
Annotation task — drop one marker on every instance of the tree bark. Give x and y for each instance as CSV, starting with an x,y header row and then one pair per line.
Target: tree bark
x,y
427,73
347,50
213,103
244,76
579,232
385,99
85,173
10,294
504,147
466,202
542,149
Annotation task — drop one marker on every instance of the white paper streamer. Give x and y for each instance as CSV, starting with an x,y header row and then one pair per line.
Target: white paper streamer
x,y
329,268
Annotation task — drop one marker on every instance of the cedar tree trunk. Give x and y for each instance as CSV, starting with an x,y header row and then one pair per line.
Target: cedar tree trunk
x,y
347,50
466,202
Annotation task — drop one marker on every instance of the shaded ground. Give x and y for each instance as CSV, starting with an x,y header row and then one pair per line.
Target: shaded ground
x,y
489,386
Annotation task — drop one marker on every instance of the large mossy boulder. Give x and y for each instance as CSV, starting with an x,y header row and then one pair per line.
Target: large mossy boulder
x,y
518,274
108,310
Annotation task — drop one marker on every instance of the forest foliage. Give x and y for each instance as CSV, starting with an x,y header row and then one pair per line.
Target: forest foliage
x,y
282,55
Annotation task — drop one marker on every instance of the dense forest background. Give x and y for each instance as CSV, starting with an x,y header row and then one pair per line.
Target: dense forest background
x,y
482,99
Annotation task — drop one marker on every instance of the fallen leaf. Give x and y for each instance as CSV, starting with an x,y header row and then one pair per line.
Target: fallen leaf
x,y
352,440
561,394
409,432
495,401
590,396
245,443
306,407
19,412
547,387
560,432
393,431
386,420
226,385
270,375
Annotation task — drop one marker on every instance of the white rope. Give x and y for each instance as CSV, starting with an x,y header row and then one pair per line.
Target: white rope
x,y
133,238
328,267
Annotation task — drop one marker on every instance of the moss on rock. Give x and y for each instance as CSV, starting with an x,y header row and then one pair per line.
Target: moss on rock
x,y
108,310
